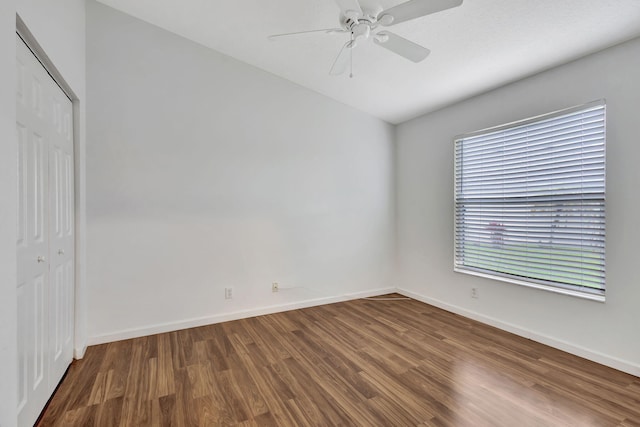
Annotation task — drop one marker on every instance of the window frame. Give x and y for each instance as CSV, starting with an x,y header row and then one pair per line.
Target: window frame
x,y
511,278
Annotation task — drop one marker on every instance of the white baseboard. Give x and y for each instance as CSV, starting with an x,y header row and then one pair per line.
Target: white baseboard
x,y
613,362
78,353
603,359
225,317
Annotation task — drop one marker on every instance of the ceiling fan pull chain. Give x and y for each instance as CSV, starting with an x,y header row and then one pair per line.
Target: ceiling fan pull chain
x,y
351,57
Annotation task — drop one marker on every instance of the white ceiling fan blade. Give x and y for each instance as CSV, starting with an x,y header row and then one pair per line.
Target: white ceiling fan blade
x,y
347,5
326,31
414,9
342,60
401,46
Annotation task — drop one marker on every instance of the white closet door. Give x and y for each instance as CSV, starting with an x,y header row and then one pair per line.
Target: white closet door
x,y
45,228
33,117
61,235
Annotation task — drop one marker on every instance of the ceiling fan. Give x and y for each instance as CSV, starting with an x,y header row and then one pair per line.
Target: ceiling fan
x,y
364,24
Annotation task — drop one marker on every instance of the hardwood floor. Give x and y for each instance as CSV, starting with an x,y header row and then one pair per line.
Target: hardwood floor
x,y
358,363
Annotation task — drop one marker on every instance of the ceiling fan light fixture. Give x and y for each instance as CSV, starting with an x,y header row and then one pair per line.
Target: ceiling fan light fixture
x,y
385,20
352,14
361,31
381,38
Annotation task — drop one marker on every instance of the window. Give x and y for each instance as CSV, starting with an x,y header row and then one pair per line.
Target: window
x,y
530,202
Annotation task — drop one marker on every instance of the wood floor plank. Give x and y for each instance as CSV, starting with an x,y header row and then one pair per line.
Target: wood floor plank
x,y
109,413
363,363
186,408
117,360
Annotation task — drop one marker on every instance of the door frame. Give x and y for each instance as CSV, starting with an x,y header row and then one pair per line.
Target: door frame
x,y
79,323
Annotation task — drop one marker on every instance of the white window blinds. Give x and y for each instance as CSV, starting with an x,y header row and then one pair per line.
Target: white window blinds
x,y
530,201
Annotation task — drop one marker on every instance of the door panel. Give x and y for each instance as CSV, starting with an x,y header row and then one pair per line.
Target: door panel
x,y
57,297
38,175
37,323
21,132
69,308
23,350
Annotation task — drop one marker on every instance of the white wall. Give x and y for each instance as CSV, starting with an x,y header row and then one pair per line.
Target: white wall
x,y
609,332
60,30
204,172
8,209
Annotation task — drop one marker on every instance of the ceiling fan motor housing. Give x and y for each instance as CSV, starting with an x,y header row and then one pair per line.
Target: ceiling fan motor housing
x,y
360,27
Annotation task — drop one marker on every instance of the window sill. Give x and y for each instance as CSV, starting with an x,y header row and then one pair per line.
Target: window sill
x,y
577,294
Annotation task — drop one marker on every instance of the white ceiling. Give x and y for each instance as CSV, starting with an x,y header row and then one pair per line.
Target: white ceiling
x,y
475,47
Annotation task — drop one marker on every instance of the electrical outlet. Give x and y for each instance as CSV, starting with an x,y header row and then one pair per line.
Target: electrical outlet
x,y
474,293
275,287
228,293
